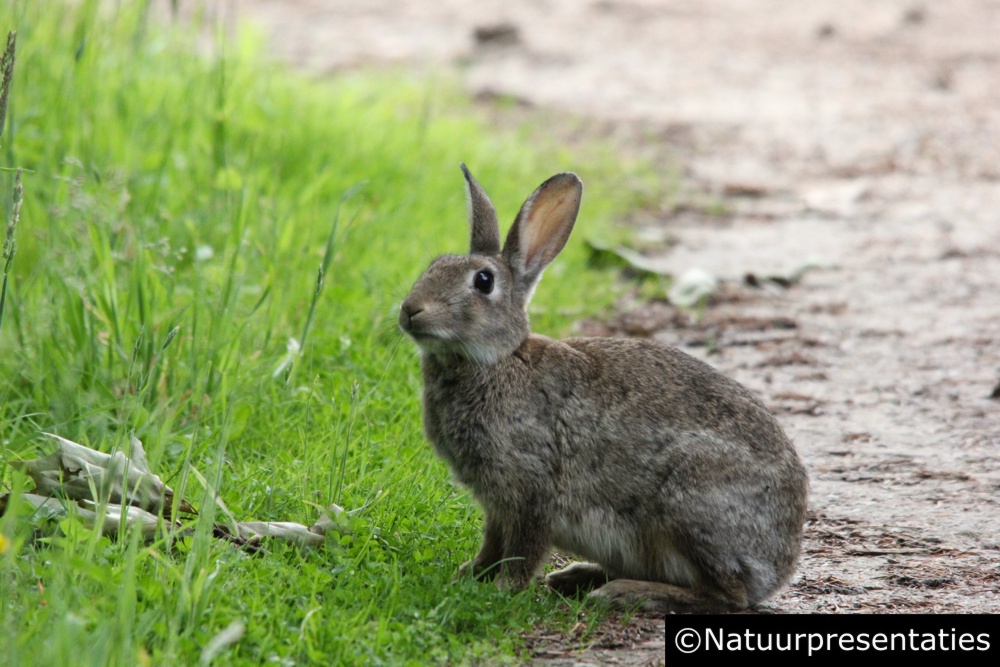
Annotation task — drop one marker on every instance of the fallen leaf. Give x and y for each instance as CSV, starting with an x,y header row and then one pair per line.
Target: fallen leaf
x,y
74,471
693,288
604,256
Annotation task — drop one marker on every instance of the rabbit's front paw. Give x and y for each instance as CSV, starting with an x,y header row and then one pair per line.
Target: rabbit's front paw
x,y
513,581
476,570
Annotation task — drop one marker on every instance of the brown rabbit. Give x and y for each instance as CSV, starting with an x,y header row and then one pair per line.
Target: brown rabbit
x,y
672,479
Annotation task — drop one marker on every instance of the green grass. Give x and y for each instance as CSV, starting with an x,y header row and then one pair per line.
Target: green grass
x,y
177,209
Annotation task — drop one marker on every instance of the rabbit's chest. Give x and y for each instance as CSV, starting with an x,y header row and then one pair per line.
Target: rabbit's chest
x,y
489,441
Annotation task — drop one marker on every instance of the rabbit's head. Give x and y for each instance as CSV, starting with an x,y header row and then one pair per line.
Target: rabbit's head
x,y
475,305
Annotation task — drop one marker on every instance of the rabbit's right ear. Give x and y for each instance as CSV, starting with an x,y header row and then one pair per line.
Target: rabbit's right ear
x,y
541,229
483,223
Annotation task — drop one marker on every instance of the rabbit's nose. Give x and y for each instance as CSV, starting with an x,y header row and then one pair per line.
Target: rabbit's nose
x,y
407,311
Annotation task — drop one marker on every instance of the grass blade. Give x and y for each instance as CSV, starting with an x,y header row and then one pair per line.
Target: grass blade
x,y
324,267
7,71
9,245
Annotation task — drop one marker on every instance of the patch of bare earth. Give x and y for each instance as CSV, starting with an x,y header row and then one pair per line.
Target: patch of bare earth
x,y
861,134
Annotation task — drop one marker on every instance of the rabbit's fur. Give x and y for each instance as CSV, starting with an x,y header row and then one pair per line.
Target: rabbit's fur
x,y
673,479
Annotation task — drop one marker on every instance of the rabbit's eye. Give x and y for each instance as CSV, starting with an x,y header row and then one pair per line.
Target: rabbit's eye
x,y
483,282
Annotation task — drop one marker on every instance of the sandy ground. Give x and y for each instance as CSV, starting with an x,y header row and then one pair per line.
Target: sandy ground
x,y
863,135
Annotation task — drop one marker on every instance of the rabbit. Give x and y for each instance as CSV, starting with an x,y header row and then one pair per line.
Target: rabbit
x,y
674,482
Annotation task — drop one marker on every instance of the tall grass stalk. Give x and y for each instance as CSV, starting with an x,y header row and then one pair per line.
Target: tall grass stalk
x,y
9,244
321,274
7,74
347,444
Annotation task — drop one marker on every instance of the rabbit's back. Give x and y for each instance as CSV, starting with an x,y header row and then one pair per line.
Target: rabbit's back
x,y
686,463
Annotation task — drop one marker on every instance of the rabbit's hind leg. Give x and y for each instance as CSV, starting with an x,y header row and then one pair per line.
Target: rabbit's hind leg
x,y
658,597
576,578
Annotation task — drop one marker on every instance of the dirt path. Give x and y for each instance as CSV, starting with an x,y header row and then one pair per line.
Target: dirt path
x,y
864,134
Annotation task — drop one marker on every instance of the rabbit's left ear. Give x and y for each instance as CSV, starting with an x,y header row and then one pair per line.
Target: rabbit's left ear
x,y
483,224
541,229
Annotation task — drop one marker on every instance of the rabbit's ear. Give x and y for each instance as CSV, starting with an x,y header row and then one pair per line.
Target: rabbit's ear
x,y
541,229
482,218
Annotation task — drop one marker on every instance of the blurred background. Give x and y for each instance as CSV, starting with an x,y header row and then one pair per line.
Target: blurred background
x,y
224,202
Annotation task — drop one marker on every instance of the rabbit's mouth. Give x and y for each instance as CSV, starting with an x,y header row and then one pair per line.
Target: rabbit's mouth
x,y
410,324
421,337
434,341
423,326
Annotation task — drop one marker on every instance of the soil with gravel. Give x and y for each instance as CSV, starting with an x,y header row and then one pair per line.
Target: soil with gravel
x,y
856,139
